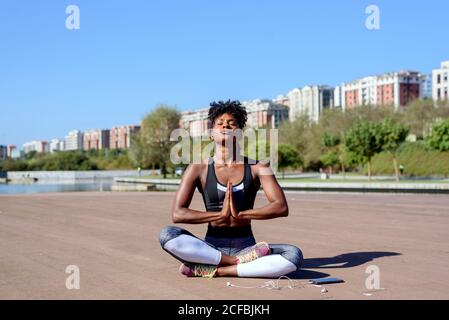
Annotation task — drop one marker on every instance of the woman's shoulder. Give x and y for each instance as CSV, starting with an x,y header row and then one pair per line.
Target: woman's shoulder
x,y
261,167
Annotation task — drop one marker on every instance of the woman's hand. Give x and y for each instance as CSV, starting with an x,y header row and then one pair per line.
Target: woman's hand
x,y
233,207
226,210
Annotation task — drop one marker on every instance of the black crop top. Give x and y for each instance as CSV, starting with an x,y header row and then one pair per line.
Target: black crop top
x,y
244,193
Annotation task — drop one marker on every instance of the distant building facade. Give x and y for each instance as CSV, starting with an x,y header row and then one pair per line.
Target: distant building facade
x,y
440,82
265,113
74,140
427,87
3,152
57,145
96,139
281,99
11,150
396,88
261,113
310,101
120,137
195,122
38,146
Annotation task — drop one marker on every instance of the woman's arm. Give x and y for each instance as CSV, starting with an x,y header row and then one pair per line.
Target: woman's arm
x,y
180,209
277,206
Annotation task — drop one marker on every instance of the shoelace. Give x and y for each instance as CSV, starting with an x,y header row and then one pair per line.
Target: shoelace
x,y
204,271
248,257
252,254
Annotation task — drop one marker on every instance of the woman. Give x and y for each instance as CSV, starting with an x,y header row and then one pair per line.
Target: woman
x,y
229,187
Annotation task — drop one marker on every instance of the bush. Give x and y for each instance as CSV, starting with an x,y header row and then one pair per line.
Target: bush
x,y
417,158
439,139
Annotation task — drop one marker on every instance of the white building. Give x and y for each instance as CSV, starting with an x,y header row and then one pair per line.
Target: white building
x,y
311,101
74,140
56,145
440,82
396,88
38,146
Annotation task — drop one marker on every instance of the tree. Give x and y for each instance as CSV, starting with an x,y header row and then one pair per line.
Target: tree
x,y
439,139
334,153
288,157
153,141
393,134
364,140
418,116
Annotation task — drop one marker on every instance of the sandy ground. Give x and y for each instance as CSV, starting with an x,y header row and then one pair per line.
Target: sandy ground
x,y
113,239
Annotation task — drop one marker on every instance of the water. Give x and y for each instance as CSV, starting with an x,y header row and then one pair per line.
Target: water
x,y
39,187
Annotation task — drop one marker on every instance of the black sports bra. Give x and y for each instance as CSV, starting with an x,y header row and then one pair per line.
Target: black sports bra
x,y
244,193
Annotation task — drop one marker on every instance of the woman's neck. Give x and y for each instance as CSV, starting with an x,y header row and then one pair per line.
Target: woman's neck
x,y
227,156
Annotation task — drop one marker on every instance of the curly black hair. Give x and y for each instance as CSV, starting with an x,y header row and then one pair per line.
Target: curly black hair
x,y
232,107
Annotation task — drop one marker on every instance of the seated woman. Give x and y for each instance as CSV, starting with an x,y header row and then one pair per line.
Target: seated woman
x,y
229,188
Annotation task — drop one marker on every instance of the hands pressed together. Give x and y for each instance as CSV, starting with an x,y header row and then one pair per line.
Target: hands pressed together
x,y
229,207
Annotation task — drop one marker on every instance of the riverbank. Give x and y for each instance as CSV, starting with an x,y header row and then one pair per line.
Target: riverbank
x,y
314,185
74,175
113,239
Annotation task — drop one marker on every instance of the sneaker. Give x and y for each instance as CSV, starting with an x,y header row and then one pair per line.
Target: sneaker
x,y
198,270
258,250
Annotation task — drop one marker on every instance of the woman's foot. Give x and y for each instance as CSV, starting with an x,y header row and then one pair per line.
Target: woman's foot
x,y
258,250
198,270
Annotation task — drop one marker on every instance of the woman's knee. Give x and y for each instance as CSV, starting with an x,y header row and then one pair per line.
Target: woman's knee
x,y
297,257
290,252
168,233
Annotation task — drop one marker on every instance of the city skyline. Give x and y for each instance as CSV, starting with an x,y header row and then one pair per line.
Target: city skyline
x,y
115,68
257,100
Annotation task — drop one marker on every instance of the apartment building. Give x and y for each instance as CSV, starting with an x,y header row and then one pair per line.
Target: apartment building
x,y
310,101
37,145
396,88
120,137
74,140
96,139
440,82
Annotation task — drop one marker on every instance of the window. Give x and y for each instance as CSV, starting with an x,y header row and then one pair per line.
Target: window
x,y
439,79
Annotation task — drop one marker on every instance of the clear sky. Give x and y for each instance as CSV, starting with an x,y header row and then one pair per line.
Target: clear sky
x,y
129,56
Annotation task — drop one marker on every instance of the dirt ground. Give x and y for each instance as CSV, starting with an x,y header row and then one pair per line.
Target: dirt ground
x,y
113,239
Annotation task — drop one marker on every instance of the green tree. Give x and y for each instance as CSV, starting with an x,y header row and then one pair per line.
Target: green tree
x,y
364,140
153,145
393,135
439,139
330,143
288,157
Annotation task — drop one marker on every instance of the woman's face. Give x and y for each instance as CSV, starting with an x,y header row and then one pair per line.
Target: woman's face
x,y
225,127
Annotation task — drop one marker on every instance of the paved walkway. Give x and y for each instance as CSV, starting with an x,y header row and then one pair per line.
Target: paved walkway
x,y
112,237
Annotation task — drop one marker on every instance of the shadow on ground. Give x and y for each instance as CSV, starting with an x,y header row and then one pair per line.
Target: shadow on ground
x,y
307,274
346,260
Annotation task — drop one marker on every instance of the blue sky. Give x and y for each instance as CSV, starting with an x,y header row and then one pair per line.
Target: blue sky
x,y
129,56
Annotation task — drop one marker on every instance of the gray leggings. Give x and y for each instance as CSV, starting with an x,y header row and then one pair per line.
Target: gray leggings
x,y
231,246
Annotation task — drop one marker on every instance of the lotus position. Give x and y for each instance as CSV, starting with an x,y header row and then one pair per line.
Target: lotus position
x,y
228,183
